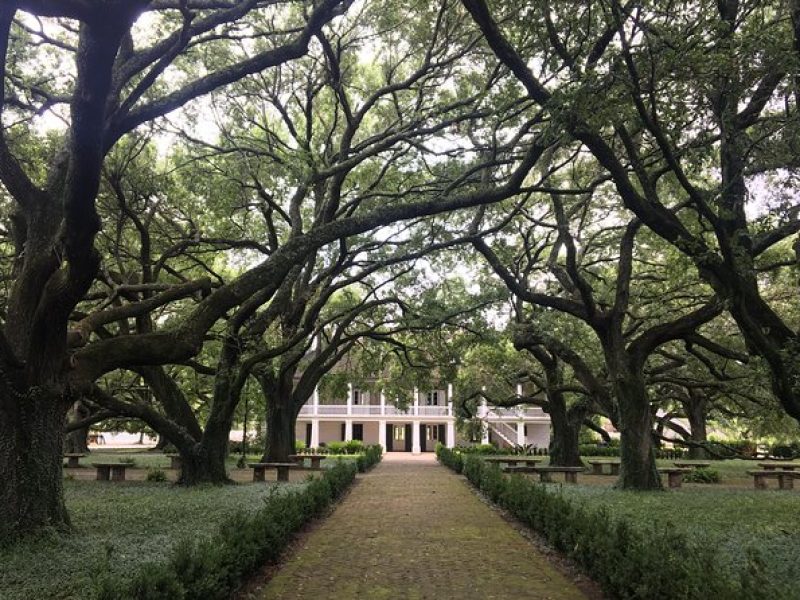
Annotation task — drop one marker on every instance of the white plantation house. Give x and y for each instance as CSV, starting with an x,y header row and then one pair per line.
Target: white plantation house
x,y
371,418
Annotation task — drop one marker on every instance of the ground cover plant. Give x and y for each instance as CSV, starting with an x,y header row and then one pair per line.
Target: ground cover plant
x,y
119,527
140,527
688,544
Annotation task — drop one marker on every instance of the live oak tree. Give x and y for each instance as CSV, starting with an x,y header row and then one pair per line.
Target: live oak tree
x,y
117,79
691,112
578,256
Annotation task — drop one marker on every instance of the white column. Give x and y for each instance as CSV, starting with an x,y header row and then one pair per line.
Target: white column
x,y
519,390
383,403
382,432
348,430
485,432
451,433
520,433
416,401
315,401
449,392
349,399
416,447
315,433
450,409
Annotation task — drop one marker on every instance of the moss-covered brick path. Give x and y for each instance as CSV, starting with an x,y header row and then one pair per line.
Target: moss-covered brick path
x,y
413,530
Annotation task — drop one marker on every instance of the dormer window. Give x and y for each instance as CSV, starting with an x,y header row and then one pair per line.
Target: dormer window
x,y
433,398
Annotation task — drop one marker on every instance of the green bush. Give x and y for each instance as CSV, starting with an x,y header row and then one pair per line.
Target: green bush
x,y
479,449
353,447
653,562
598,450
702,476
211,568
449,458
790,450
155,474
372,456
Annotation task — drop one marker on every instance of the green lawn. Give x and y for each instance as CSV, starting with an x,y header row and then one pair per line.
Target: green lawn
x,y
731,521
118,527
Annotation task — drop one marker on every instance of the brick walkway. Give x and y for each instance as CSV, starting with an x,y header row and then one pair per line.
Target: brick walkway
x,y
414,530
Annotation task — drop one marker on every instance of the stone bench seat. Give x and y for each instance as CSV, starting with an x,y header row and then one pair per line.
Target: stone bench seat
x,y
545,473
691,465
785,478
674,476
260,469
73,460
316,460
597,467
110,471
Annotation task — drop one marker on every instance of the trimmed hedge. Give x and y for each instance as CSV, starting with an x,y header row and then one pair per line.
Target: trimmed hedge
x,y
211,568
614,451
372,456
654,563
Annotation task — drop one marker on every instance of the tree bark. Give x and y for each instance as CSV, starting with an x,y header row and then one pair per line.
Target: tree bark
x,y
31,446
696,413
77,442
638,469
281,419
564,447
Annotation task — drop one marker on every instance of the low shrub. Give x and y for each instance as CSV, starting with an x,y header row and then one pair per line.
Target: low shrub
x,y
703,475
790,450
210,568
479,449
155,474
449,458
598,450
372,456
652,561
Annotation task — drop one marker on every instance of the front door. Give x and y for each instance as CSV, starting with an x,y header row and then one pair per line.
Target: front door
x,y
389,437
358,431
308,435
409,434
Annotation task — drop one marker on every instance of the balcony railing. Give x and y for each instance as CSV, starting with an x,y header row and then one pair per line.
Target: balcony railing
x,y
388,410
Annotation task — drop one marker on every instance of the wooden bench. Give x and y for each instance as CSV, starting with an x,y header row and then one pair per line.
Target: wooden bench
x,y
72,460
260,469
597,467
110,471
674,476
315,459
691,464
175,461
785,478
570,473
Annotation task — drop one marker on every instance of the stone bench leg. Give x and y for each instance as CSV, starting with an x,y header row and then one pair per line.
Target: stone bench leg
x,y
597,469
117,473
571,477
786,482
759,482
615,469
103,473
175,462
545,477
72,462
283,473
674,480
316,463
258,474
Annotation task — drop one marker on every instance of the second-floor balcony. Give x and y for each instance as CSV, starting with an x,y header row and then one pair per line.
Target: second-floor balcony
x,y
388,410
378,410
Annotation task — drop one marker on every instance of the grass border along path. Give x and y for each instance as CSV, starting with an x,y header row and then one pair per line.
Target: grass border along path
x,y
413,530
628,559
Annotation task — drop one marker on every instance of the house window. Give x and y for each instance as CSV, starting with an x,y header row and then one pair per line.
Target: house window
x,y
399,433
433,398
431,433
356,396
